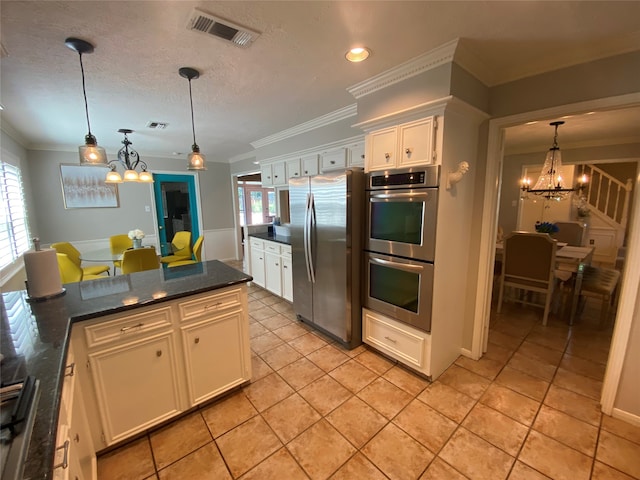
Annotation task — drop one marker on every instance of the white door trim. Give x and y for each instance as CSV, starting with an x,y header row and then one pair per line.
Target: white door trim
x,y
492,185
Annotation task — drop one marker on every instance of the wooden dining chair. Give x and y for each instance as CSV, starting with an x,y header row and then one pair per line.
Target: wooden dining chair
x,y
139,260
571,233
74,255
528,265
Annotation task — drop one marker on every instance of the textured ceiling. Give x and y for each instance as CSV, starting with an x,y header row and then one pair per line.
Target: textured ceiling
x,y
294,72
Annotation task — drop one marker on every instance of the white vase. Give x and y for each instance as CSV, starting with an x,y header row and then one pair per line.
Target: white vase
x,y
137,243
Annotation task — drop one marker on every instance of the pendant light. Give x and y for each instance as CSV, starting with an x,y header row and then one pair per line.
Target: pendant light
x,y
90,152
550,184
196,159
130,160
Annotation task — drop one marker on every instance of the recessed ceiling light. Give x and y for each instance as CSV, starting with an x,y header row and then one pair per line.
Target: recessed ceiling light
x,y
358,54
531,123
590,113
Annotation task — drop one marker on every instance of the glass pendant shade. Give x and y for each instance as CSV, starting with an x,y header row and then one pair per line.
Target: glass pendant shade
x,y
113,177
145,177
130,176
551,176
196,160
92,155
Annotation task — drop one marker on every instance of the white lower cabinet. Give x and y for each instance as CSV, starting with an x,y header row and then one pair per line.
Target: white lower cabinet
x,y
271,267
136,385
148,365
398,340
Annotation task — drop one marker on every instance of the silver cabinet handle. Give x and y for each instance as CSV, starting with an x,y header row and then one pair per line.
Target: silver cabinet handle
x,y
387,156
215,305
408,151
391,339
126,329
332,162
65,458
72,370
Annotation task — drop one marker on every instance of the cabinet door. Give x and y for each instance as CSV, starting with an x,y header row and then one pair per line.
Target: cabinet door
x,y
272,267
310,165
136,385
381,148
279,174
293,169
266,175
257,266
356,155
80,437
214,355
334,160
287,279
416,143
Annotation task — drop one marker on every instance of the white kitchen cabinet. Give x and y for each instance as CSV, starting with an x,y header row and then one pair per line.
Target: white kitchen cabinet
x,y
356,155
406,344
136,384
293,169
273,174
214,333
257,263
334,160
273,273
287,276
309,165
404,145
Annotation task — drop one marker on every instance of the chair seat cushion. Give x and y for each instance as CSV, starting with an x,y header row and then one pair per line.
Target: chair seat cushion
x,y
175,258
181,262
95,269
599,280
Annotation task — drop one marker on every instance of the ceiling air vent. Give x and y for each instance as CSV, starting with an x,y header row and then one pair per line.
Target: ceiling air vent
x,y
157,125
200,21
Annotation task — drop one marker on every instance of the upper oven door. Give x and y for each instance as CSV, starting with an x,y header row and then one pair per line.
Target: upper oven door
x,y
402,222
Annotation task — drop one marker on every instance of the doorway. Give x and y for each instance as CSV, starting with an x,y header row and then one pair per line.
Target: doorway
x,y
176,207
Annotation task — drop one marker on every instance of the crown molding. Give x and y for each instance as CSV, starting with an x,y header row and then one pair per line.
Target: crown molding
x,y
345,142
324,120
428,61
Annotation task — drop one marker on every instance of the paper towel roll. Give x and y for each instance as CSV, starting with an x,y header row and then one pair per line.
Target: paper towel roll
x,y
43,276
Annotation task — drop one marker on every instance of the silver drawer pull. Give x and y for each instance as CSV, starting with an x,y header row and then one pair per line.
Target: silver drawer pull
x,y
72,370
65,458
215,305
126,329
391,339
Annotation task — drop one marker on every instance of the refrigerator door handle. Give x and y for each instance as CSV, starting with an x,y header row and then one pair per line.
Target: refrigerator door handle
x,y
311,225
305,239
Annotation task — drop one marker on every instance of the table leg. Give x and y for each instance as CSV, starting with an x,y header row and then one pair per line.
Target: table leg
x,y
577,286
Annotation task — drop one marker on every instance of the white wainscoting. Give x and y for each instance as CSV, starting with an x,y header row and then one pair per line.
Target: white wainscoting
x,y
219,244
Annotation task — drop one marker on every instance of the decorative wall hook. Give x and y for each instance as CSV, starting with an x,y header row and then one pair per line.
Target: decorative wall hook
x,y
455,177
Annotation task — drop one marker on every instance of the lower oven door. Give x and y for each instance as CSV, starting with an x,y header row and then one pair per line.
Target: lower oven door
x,y
399,288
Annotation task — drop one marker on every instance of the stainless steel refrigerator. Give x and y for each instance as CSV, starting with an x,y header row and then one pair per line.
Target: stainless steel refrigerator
x,y
326,217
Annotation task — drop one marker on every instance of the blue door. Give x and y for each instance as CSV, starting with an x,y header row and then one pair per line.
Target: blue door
x,y
176,207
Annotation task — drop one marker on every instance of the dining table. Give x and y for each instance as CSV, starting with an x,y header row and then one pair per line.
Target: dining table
x,y
103,255
570,262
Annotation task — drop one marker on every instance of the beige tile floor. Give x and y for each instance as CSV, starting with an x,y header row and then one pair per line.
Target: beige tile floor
x,y
527,410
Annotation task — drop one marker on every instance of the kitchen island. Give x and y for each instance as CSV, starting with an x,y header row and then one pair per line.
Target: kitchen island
x,y
37,338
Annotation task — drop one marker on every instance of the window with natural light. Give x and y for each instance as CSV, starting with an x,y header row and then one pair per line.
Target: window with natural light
x,y
14,229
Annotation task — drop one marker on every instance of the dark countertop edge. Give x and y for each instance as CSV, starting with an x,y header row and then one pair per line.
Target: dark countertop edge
x,y
124,308
272,237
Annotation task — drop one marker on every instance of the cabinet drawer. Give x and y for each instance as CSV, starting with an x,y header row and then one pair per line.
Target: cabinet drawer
x,y
119,329
403,343
285,250
272,247
209,304
256,243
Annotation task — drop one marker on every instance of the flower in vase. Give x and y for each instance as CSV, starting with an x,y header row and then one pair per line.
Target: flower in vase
x,y
136,234
546,227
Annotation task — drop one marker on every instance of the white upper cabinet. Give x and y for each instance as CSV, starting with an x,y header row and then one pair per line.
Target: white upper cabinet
x,y
334,159
293,169
309,165
404,145
356,155
273,174
266,175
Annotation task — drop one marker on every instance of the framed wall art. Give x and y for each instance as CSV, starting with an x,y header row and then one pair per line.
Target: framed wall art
x,y
84,187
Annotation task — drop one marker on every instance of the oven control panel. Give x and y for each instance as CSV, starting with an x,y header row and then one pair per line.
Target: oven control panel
x,y
414,177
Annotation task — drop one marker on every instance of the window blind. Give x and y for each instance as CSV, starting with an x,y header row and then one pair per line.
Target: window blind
x,y
14,229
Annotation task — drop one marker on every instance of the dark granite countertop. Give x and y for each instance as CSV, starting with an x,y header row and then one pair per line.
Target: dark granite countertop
x,y
272,237
35,335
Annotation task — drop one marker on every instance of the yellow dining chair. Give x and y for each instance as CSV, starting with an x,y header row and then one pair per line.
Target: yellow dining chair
x,y
139,260
74,255
181,248
197,254
119,243
70,272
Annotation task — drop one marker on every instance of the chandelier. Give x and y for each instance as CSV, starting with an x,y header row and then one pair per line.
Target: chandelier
x,y
130,160
90,152
551,184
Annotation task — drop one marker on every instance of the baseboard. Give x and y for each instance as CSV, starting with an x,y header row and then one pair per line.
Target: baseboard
x,y
628,417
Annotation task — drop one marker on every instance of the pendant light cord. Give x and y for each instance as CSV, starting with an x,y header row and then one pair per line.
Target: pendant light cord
x,y
193,127
84,92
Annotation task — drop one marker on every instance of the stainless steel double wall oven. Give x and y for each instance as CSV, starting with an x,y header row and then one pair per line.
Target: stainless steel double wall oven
x,y
400,243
